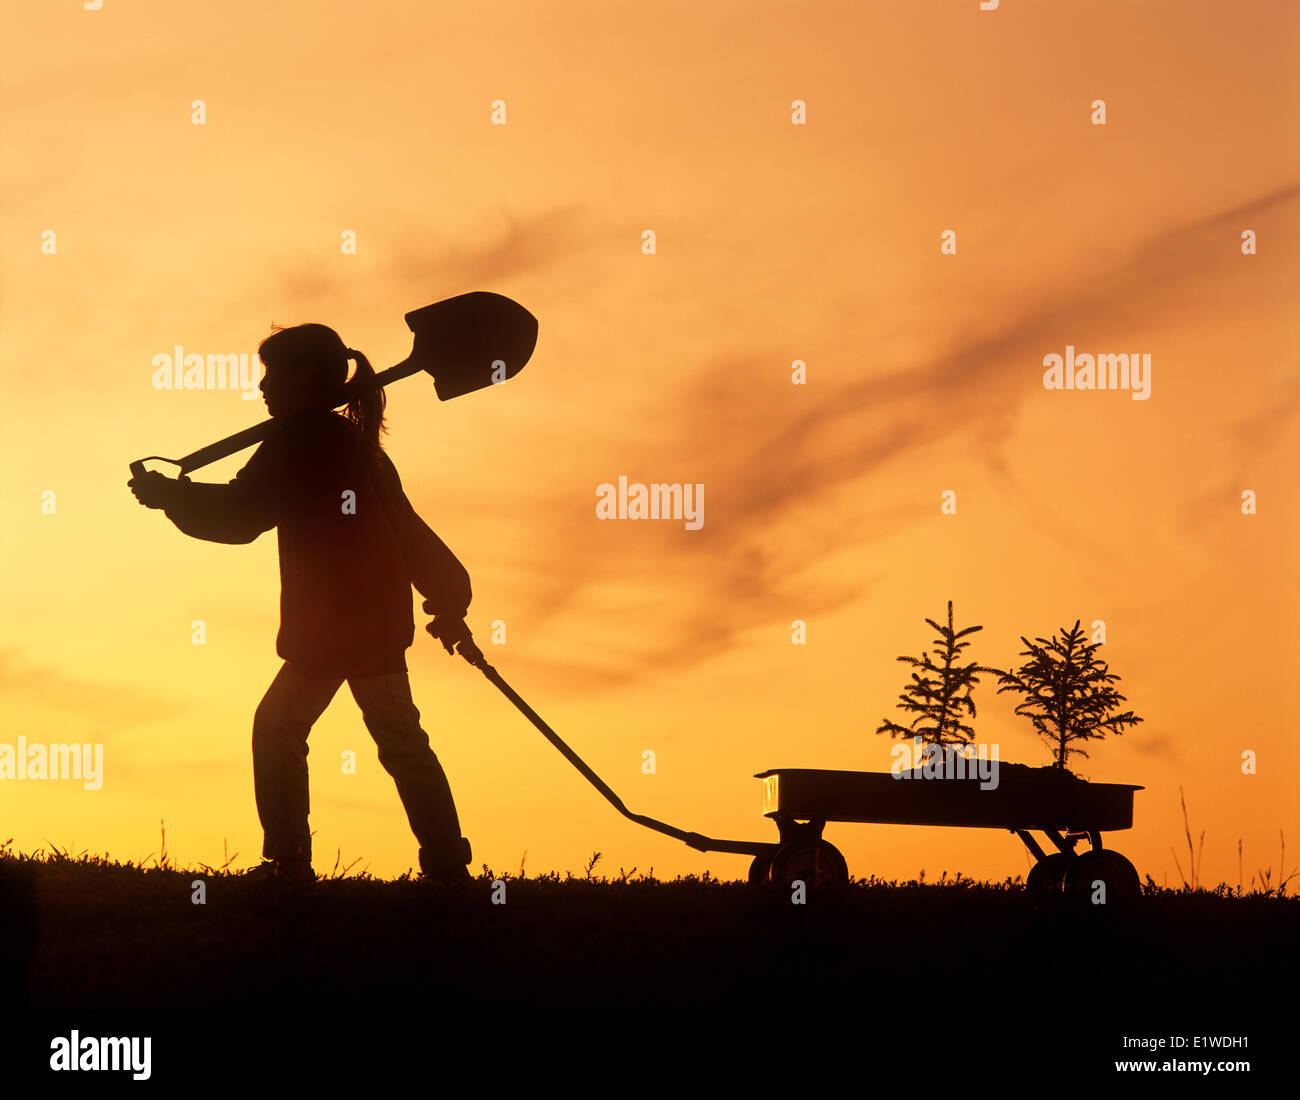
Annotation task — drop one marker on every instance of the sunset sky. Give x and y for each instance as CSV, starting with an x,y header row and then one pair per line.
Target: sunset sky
x,y
775,242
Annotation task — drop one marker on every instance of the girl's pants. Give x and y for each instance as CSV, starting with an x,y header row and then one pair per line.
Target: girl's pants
x,y
280,727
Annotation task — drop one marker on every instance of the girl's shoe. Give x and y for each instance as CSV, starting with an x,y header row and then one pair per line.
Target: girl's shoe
x,y
282,872
452,876
455,875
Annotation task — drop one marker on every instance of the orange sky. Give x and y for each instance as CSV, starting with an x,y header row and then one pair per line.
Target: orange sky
x,y
775,242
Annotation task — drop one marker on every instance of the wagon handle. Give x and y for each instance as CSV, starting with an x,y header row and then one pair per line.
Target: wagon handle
x,y
697,841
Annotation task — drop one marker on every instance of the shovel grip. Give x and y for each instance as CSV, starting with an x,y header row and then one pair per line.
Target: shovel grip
x,y
138,468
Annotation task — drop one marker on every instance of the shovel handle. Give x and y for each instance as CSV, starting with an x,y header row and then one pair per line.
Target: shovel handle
x,y
232,444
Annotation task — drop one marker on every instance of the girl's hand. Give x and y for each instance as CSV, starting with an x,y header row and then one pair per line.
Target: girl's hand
x,y
153,490
454,635
447,630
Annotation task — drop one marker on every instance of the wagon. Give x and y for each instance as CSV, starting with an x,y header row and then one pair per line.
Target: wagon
x,y
1051,801
1023,800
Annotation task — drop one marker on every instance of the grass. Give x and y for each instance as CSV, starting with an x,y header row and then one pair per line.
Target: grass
x,y
102,931
85,939
160,860
86,933
1194,858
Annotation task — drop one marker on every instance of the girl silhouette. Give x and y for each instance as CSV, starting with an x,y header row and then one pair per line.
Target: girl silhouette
x,y
350,546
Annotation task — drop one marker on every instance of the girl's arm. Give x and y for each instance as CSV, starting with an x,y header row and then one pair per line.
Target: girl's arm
x,y
233,513
434,570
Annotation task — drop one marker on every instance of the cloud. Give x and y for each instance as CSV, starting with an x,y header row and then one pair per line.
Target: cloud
x,y
422,265
82,703
1158,746
771,474
1250,438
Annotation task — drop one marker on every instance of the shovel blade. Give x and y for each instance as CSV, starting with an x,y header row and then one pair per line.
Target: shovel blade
x,y
472,341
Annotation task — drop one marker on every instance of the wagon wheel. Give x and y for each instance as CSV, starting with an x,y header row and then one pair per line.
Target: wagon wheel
x,y
761,868
1048,875
1103,865
816,862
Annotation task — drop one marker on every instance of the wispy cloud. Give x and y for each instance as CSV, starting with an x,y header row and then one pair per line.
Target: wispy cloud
x,y
81,702
425,264
769,473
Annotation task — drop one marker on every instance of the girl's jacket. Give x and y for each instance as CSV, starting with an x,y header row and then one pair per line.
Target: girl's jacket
x,y
351,545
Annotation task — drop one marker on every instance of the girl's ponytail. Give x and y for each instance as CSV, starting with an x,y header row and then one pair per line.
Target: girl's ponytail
x,y
366,401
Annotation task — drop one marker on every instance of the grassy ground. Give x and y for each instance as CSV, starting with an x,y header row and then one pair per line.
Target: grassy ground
x,y
85,935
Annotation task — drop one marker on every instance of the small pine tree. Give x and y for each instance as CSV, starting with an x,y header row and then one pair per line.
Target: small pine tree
x,y
941,696
1067,692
